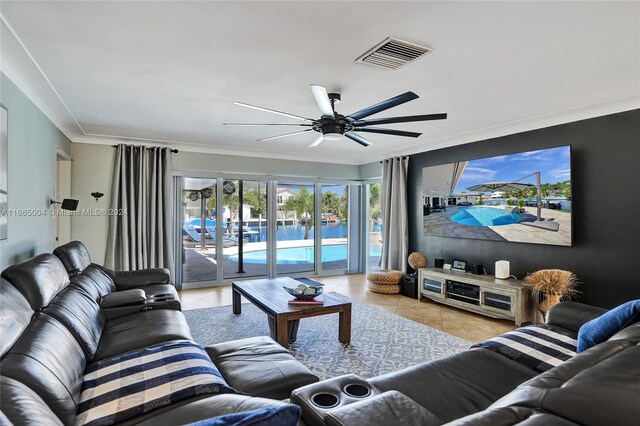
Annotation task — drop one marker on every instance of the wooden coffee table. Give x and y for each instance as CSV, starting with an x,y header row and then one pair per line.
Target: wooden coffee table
x,y
271,298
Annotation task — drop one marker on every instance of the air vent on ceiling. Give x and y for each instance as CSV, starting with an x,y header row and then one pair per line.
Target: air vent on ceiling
x,y
393,53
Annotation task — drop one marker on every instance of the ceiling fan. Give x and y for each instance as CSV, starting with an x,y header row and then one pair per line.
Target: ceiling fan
x,y
332,126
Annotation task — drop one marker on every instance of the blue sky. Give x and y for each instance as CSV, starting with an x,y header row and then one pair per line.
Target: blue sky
x,y
553,165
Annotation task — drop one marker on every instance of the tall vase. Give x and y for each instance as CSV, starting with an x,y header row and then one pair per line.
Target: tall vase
x,y
548,302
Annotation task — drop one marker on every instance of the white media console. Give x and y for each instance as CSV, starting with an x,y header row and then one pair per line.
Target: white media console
x,y
483,294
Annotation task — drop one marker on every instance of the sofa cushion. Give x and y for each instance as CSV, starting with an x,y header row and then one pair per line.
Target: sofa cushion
x,y
15,315
48,360
120,388
141,330
74,256
457,385
286,415
39,279
600,329
261,367
95,282
23,406
80,315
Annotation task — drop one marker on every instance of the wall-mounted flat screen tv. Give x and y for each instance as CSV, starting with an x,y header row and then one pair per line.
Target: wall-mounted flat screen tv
x,y
523,197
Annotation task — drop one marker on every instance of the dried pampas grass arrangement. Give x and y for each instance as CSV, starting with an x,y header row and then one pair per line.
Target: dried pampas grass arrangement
x,y
553,284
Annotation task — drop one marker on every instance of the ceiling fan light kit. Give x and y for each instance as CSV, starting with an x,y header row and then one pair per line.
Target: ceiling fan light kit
x,y
332,126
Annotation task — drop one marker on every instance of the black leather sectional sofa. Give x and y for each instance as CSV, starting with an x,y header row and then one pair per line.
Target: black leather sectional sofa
x,y
60,314
52,328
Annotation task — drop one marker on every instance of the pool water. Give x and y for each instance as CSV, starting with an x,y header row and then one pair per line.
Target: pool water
x,y
292,232
298,255
485,216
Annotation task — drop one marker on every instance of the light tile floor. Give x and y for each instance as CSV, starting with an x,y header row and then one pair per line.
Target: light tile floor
x,y
458,322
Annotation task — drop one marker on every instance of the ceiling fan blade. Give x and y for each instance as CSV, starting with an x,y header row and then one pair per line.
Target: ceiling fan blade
x,y
322,99
384,105
389,132
265,124
284,136
317,142
404,119
286,114
356,137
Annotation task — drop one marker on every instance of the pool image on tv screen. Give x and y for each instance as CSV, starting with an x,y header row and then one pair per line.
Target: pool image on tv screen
x,y
523,197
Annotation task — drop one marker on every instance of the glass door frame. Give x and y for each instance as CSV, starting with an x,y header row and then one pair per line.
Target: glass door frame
x,y
365,243
357,217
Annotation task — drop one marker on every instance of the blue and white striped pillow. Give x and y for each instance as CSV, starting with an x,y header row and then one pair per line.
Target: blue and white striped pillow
x,y
126,386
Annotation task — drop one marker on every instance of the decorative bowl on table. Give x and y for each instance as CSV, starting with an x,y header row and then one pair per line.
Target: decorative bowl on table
x,y
305,292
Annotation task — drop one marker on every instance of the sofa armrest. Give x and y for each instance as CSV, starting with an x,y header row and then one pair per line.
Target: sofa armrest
x,y
125,280
388,408
572,315
133,297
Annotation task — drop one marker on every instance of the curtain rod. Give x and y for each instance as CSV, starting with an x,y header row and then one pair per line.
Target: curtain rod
x,y
402,156
175,151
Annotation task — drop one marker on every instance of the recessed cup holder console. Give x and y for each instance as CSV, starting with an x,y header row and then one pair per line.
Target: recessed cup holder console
x,y
357,391
325,400
318,399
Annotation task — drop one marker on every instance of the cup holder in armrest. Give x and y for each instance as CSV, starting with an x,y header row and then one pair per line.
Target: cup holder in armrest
x,y
357,391
324,400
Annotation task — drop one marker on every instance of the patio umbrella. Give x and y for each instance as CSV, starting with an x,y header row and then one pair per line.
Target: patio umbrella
x,y
499,186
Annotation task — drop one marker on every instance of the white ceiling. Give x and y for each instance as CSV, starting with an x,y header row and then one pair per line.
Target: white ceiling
x,y
169,71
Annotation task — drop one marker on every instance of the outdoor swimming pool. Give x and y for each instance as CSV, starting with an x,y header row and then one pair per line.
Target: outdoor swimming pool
x,y
485,216
291,232
298,255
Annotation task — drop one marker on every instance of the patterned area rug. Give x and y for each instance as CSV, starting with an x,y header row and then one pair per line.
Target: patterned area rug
x,y
381,341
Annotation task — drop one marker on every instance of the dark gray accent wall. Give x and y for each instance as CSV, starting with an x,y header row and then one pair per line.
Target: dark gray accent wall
x,y
606,207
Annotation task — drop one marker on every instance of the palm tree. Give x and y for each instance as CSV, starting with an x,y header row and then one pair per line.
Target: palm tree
x,y
374,201
251,197
331,203
303,204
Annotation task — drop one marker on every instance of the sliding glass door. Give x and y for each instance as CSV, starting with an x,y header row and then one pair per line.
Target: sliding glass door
x,y
295,225
374,241
227,225
245,228
199,263
335,226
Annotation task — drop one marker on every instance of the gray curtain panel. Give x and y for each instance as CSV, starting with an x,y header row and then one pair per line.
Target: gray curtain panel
x,y
142,190
395,223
